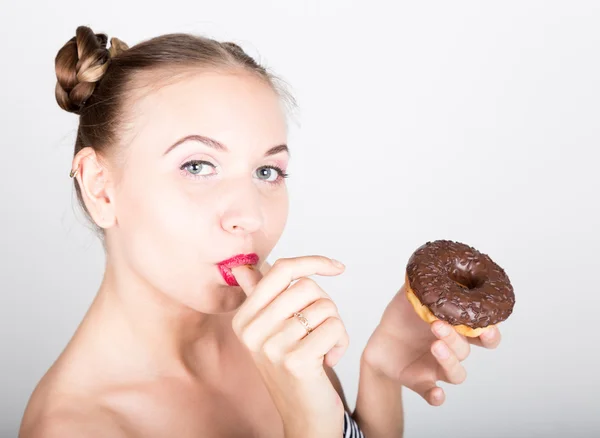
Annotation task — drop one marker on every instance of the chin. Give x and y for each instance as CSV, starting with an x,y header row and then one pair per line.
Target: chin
x,y
224,299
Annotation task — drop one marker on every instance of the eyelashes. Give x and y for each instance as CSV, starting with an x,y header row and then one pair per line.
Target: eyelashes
x,y
194,168
198,169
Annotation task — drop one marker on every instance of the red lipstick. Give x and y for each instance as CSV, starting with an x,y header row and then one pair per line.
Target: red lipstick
x,y
238,260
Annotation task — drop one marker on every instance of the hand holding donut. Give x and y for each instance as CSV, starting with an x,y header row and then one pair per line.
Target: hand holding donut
x,y
416,355
291,330
454,296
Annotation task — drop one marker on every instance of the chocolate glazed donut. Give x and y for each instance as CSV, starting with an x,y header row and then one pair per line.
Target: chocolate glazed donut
x,y
456,283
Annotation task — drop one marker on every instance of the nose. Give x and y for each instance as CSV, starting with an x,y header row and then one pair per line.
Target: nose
x,y
243,212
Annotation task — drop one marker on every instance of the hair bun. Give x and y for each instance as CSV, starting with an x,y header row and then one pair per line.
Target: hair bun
x,y
80,64
117,47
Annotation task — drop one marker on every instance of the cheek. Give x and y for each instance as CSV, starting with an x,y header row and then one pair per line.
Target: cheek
x,y
276,217
153,211
163,231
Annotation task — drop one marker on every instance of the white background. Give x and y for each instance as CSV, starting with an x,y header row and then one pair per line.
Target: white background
x,y
472,121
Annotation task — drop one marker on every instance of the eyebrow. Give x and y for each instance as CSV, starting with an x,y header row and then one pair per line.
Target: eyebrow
x,y
212,143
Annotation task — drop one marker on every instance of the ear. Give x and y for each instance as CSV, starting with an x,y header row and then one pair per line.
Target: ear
x,y
94,181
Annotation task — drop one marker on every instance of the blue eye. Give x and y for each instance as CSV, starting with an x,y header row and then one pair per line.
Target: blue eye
x,y
270,174
267,174
198,168
203,169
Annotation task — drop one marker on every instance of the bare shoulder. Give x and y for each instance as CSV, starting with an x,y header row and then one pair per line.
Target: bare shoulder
x,y
72,419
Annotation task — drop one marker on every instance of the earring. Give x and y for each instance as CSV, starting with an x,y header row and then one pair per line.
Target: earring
x,y
73,172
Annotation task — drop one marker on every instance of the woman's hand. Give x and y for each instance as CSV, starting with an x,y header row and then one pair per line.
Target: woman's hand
x,y
416,354
289,359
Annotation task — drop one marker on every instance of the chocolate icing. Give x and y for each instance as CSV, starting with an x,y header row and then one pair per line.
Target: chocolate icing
x,y
459,284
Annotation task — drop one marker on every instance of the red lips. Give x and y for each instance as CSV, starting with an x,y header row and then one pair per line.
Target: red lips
x,y
238,260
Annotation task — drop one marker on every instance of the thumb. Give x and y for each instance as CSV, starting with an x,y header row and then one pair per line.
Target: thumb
x,y
247,277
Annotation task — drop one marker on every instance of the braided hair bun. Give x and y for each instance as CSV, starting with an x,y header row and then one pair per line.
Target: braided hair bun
x,y
80,64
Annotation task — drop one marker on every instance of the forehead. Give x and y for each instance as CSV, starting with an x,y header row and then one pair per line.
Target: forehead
x,y
238,109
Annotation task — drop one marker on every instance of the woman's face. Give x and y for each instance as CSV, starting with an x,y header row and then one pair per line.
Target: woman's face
x,y
201,183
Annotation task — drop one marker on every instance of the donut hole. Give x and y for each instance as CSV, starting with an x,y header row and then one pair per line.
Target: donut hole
x,y
467,279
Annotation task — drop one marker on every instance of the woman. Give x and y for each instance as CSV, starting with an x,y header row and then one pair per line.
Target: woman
x,y
180,161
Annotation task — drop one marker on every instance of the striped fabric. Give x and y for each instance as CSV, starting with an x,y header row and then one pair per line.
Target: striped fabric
x,y
351,429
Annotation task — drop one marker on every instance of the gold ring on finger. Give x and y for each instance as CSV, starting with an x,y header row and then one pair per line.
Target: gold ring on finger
x,y
303,321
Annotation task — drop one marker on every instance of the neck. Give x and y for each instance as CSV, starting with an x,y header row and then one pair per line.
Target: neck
x,y
144,334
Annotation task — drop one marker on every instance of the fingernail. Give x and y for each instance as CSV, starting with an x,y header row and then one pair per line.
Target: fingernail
x,y
442,329
337,263
441,351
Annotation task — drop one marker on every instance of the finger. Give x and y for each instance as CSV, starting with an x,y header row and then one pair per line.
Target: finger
x,y
247,277
298,297
264,268
431,393
457,343
435,396
319,312
292,331
452,370
327,336
282,273
489,338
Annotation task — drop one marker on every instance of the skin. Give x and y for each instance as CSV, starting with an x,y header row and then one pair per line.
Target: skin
x,y
157,354
430,352
158,336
